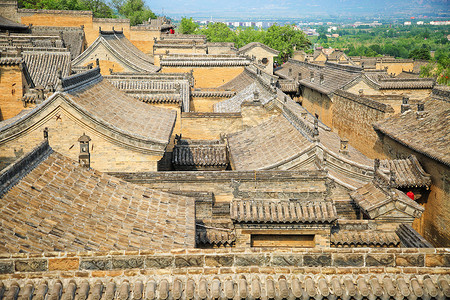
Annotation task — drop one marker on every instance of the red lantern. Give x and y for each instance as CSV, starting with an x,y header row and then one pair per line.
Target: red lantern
x,y
410,195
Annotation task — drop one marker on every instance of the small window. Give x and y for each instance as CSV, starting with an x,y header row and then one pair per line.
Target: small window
x,y
283,240
265,61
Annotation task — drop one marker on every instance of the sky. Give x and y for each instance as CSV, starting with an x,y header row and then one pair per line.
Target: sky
x,y
292,8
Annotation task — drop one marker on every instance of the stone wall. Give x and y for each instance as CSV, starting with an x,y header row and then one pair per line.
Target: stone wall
x,y
413,94
207,77
11,90
433,224
318,104
65,127
204,104
225,262
225,185
209,126
353,117
141,37
396,67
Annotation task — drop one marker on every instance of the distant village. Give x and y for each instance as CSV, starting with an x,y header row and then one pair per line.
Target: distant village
x,y
140,163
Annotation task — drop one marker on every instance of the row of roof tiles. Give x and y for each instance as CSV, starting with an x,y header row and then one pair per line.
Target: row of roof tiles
x,y
245,286
254,211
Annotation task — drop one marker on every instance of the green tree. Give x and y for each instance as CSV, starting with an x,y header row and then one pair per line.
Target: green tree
x,y
136,11
249,35
322,38
219,32
188,26
99,8
285,39
420,53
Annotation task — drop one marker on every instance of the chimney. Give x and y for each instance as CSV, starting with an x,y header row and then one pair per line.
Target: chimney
x,y
290,72
321,79
361,92
97,63
299,76
405,105
343,149
84,158
311,75
421,110
392,179
255,96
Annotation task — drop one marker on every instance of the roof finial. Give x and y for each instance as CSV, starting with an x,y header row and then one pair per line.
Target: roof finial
x,y
316,127
46,133
59,85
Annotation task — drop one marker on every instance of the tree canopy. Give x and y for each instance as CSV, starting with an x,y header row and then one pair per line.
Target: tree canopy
x,y
135,10
98,7
188,26
282,38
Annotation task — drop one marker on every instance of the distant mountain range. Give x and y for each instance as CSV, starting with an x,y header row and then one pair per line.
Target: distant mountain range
x,y
299,8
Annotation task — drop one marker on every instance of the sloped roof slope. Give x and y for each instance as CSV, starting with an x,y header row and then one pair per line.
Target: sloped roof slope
x,y
115,107
427,133
43,66
61,206
121,48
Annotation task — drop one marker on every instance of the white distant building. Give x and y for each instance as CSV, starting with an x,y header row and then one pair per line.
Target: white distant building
x,y
332,28
440,23
419,22
407,23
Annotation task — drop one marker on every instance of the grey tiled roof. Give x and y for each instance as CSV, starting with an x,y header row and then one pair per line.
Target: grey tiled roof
x,y
372,196
234,103
274,211
43,66
62,206
122,49
409,172
266,145
203,60
411,238
237,286
367,238
252,45
154,87
116,108
428,133
7,24
200,154
73,37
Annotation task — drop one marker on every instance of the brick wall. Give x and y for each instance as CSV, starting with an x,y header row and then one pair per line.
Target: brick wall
x,y
317,103
208,77
225,262
396,67
357,125
11,91
209,126
225,185
64,130
413,94
204,104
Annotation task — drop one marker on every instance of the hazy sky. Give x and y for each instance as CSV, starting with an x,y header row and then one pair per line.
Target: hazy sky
x,y
291,8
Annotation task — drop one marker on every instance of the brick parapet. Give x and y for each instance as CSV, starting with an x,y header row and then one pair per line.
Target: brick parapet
x,y
256,260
